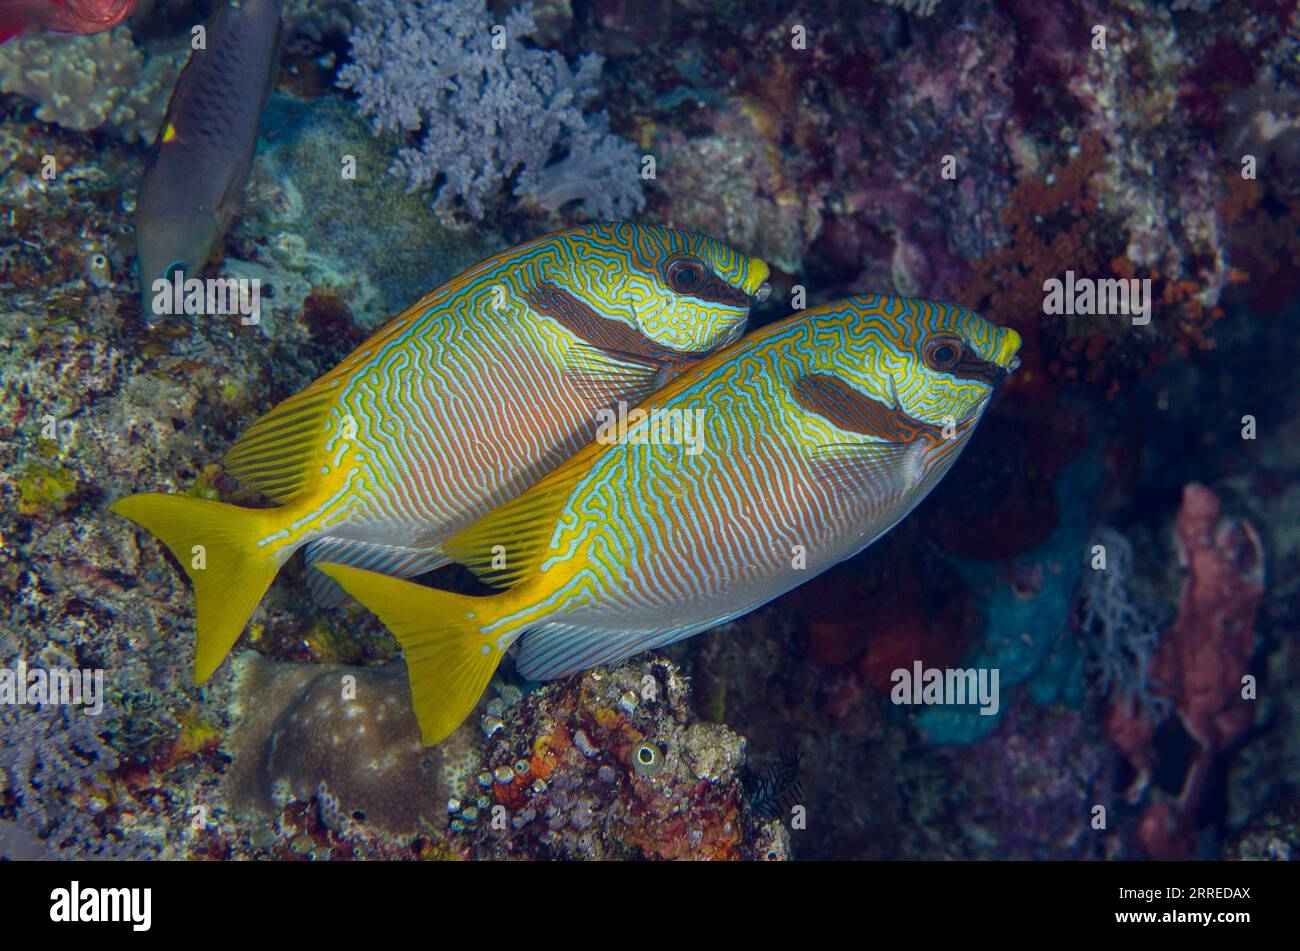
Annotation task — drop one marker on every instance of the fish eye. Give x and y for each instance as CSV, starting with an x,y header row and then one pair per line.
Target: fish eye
x,y
943,353
685,274
647,759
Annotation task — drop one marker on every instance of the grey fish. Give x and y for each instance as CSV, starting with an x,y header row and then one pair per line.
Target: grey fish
x,y
204,151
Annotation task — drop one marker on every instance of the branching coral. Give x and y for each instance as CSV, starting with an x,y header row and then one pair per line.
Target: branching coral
x,y
485,107
52,761
594,156
1119,635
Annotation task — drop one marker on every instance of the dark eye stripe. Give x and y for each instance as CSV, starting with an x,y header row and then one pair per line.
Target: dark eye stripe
x,y
611,336
712,289
968,366
971,367
831,397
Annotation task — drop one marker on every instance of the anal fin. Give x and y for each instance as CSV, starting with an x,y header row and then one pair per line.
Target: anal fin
x,y
395,561
557,650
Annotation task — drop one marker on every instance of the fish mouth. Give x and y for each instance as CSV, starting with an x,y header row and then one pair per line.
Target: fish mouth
x,y
998,374
1007,370
1008,348
755,284
1004,362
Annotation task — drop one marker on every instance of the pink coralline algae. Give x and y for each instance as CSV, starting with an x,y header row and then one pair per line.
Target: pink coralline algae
x,y
1200,666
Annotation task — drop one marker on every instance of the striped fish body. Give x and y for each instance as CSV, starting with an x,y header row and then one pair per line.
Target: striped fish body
x,y
462,401
816,436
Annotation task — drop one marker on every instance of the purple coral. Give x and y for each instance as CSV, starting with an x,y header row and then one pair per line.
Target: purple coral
x,y
1119,635
483,107
46,751
48,756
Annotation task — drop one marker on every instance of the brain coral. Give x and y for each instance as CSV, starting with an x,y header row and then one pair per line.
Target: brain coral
x,y
344,737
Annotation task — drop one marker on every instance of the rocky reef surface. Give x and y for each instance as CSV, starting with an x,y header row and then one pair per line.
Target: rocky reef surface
x,y
816,138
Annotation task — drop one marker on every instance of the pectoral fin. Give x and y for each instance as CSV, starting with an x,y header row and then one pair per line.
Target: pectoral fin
x,y
607,353
879,447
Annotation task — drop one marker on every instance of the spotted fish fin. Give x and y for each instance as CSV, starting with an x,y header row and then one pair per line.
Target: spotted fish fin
x,y
508,543
559,650
277,454
392,560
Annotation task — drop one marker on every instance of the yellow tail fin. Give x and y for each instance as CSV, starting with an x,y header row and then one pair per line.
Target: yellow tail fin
x,y
448,657
216,544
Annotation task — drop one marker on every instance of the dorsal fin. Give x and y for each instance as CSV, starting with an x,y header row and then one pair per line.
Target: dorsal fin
x,y
522,527
277,454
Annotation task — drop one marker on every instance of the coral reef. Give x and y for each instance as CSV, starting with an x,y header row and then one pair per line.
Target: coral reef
x,y
612,764
96,408
319,245
1201,666
908,621
85,82
731,183
1007,284
343,738
326,763
825,157
51,761
1119,635
1039,777
1272,836
486,108
871,788
1026,613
